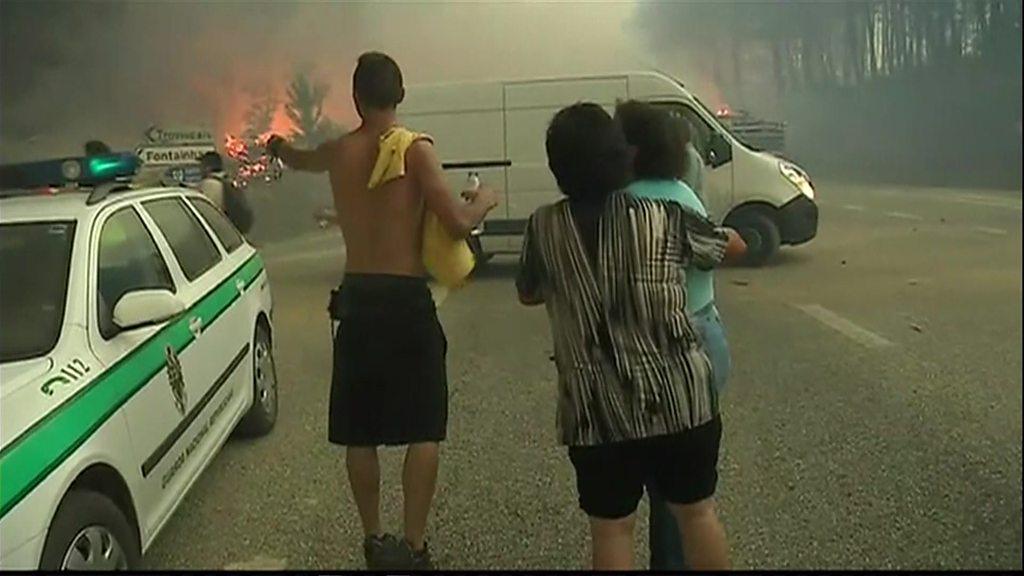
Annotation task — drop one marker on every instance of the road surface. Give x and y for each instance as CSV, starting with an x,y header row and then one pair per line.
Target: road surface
x,y
873,419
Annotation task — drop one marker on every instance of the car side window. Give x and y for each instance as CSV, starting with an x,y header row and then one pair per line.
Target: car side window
x,y
219,223
192,246
702,130
128,260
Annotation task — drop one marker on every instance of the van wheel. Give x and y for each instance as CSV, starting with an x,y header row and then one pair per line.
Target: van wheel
x,y
760,233
91,533
262,415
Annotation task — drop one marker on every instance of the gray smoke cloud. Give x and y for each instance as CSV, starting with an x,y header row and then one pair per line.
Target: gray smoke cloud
x,y
71,71
891,90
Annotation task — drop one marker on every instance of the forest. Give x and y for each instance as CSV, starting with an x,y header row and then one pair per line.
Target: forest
x,y
910,90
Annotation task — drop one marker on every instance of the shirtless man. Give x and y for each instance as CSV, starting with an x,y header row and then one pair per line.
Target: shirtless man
x,y
389,384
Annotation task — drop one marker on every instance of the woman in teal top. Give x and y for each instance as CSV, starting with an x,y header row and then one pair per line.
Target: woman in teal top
x,y
658,166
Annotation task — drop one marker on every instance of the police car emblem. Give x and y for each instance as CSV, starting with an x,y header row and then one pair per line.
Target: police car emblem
x,y
175,379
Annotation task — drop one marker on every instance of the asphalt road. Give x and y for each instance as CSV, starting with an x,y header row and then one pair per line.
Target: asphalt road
x,y
873,419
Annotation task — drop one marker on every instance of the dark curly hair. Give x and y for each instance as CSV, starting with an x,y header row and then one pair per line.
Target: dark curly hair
x,y
659,139
587,152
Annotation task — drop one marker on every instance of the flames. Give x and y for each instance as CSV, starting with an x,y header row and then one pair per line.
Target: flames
x,y
252,159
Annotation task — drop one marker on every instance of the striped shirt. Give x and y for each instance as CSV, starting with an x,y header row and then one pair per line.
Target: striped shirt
x,y
630,364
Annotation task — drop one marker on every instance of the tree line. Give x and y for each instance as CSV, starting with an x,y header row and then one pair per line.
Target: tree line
x,y
822,44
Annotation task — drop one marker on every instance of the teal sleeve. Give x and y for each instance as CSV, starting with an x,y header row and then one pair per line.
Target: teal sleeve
x,y
688,198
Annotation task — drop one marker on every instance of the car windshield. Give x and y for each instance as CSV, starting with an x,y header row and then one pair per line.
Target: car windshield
x,y
34,261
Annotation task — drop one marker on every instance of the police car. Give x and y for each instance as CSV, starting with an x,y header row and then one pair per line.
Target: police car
x,y
135,337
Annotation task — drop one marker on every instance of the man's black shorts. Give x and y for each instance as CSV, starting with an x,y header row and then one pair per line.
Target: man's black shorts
x,y
683,467
389,384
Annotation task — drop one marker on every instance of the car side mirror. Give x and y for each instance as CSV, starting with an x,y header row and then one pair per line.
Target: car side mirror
x,y
145,307
719,150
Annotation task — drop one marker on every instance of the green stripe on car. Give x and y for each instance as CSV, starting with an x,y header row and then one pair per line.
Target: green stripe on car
x,y
29,459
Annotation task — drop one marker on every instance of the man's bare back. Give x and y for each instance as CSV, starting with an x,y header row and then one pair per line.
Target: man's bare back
x,y
383,227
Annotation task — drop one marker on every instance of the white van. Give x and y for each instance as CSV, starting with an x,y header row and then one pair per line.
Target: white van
x,y
497,129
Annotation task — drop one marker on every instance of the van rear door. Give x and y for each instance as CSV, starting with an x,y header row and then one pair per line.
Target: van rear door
x,y
529,107
467,124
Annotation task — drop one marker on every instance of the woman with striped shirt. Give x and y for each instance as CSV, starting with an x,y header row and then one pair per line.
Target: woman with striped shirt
x,y
636,406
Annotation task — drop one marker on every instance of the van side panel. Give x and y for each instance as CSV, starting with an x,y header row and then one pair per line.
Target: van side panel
x,y
451,98
467,124
529,107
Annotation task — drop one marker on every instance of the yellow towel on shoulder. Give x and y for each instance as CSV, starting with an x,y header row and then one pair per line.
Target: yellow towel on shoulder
x,y
448,260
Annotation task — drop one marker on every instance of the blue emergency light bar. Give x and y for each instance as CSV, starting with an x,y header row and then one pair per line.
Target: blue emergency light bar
x,y
86,171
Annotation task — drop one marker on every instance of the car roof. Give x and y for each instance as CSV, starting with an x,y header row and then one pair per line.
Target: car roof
x,y
71,204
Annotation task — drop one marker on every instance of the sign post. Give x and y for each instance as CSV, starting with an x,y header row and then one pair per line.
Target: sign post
x,y
171,155
174,146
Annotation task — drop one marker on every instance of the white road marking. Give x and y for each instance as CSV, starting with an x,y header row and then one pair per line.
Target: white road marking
x,y
844,326
992,231
853,207
989,203
992,198
904,215
989,200
259,563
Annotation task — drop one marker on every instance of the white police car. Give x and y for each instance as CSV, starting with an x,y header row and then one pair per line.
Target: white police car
x,y
135,336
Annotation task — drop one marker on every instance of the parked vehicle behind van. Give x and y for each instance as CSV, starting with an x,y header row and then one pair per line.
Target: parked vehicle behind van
x,y
497,129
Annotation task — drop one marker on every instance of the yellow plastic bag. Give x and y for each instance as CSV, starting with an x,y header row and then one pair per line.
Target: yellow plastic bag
x,y
449,261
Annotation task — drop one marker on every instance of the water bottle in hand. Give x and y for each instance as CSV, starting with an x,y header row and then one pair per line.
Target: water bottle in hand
x,y
472,185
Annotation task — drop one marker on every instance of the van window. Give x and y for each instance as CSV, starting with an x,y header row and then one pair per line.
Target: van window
x,y
192,246
128,260
219,223
702,129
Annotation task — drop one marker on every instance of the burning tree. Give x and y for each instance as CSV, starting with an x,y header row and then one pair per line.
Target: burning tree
x,y
259,117
305,109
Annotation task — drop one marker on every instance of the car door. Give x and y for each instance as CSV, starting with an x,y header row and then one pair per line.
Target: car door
x,y
239,306
718,180
190,406
125,256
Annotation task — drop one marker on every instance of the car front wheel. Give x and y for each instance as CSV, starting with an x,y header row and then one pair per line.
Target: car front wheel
x,y
89,532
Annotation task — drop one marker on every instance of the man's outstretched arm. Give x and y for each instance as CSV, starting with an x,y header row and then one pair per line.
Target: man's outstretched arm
x,y
458,217
316,160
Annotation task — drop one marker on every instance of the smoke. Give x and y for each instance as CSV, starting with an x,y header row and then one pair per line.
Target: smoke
x,y
72,71
891,90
